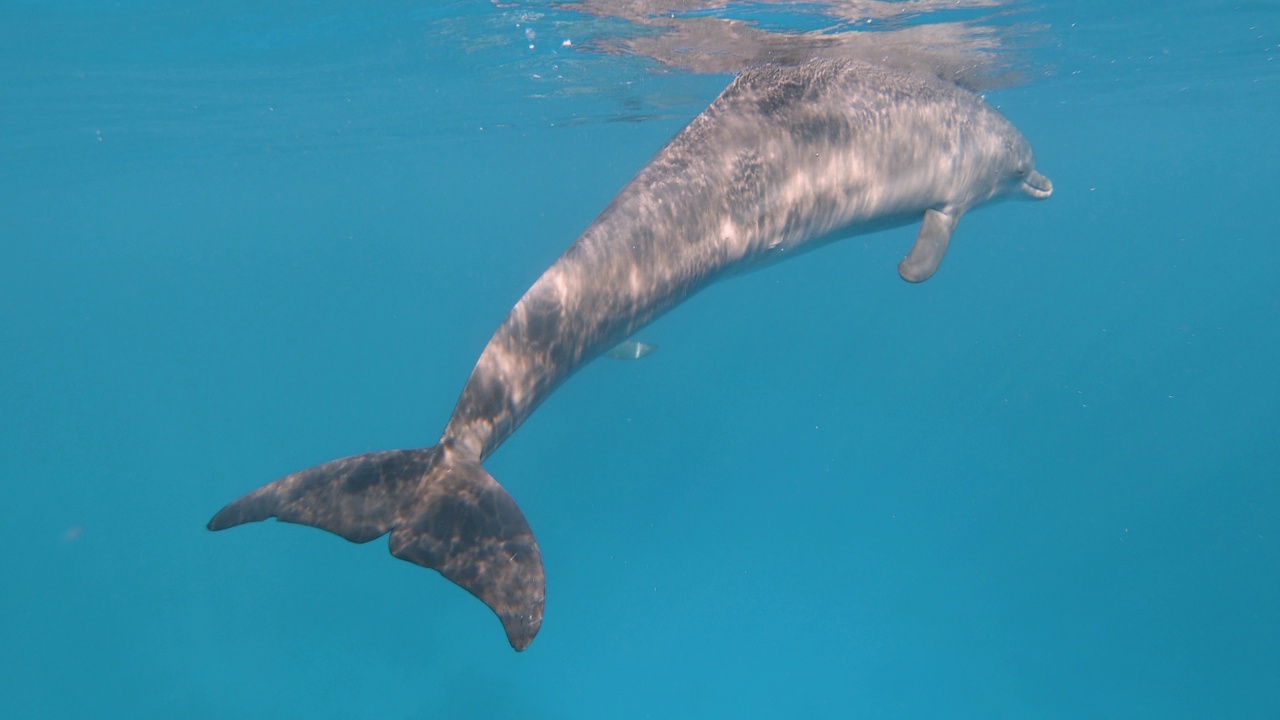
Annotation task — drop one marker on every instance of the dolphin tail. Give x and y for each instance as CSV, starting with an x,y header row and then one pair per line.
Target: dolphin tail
x,y
443,513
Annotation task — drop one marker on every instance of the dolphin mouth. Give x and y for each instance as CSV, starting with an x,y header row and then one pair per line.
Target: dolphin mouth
x,y
1037,186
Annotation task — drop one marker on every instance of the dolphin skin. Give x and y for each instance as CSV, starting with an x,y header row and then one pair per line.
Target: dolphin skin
x,y
786,159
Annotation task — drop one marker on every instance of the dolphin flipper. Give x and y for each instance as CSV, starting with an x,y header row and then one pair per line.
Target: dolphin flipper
x,y
931,244
443,513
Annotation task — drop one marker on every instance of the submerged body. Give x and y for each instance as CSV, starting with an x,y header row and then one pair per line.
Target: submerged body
x,y
786,159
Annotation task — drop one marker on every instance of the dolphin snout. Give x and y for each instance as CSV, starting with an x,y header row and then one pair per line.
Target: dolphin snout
x,y
1037,186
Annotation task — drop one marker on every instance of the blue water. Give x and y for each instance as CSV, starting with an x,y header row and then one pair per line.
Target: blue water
x,y
240,241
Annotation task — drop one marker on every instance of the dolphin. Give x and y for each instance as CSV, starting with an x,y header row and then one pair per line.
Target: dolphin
x,y
786,159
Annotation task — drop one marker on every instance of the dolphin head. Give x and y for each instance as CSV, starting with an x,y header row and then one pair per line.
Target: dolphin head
x,y
1023,176
1005,164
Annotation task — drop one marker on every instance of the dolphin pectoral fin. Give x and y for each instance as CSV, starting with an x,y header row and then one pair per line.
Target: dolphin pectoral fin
x,y
931,244
443,513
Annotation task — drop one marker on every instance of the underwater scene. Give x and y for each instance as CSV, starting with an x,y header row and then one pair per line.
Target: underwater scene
x,y
901,359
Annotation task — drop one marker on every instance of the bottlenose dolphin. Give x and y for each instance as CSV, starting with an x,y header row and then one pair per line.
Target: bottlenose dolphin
x,y
786,159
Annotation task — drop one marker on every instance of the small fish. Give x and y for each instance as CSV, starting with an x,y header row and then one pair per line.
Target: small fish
x,y
631,350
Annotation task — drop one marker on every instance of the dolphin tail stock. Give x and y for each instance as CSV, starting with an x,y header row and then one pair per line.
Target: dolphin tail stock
x,y
443,512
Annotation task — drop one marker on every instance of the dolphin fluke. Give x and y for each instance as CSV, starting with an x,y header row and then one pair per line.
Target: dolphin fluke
x,y
443,513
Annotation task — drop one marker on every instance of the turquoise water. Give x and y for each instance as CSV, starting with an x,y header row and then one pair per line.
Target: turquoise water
x,y
239,241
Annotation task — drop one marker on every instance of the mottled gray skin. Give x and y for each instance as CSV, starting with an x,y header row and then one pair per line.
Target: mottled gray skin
x,y
786,159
